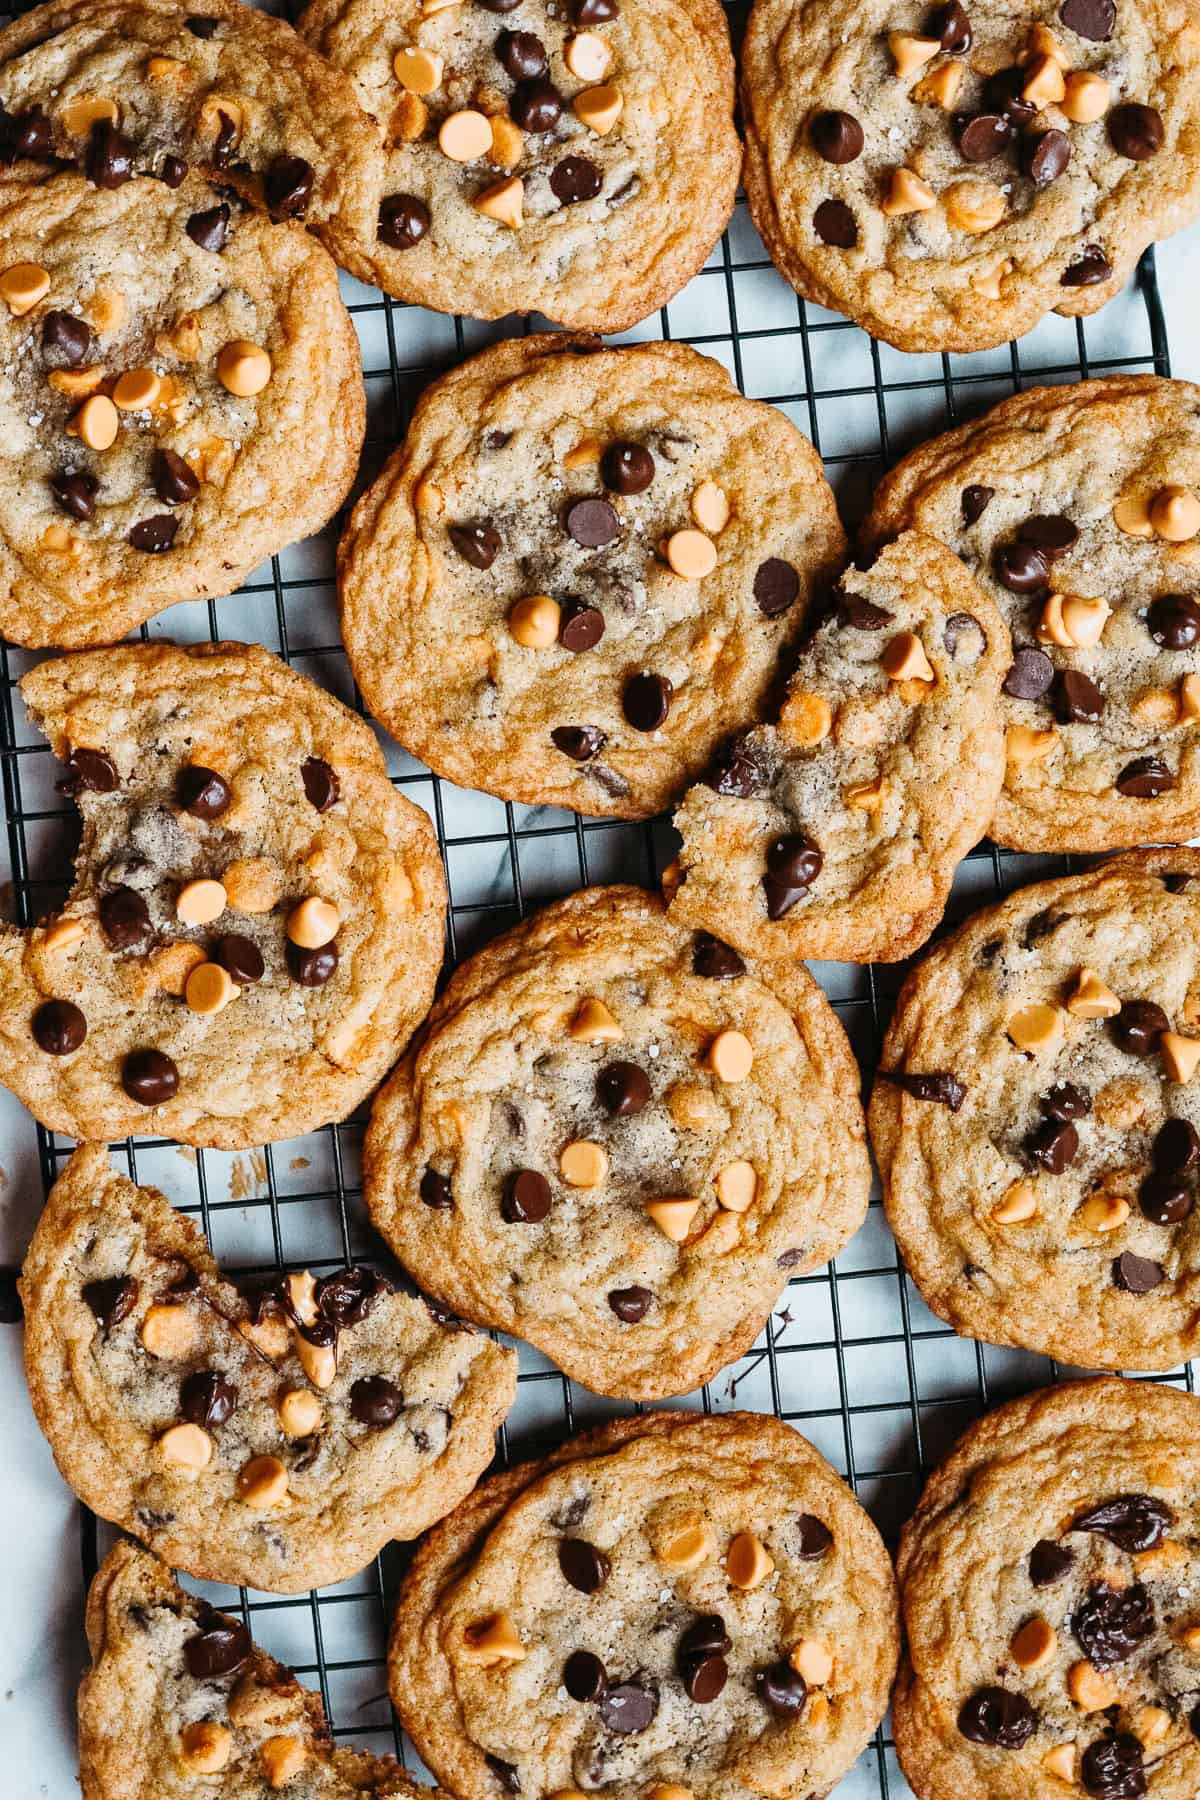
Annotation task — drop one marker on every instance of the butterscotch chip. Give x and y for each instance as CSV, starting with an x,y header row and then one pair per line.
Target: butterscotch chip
x,y
907,193
319,1361
1042,42
866,796
584,455
683,1541
667,1790
136,390
209,989
244,368
166,68
493,1640
692,1107
748,1562
169,1332
79,115
941,87
974,206
1131,514
1155,706
1090,998
186,1447
504,201
1085,98
465,136
270,1334
1035,1027
302,1295
1018,1205
22,285
721,1235
1090,1689
282,1758
200,902
904,659
313,923
583,1164
181,338
205,1747
534,621
811,1659
262,1482
1151,1725
1051,627
508,146
419,71
1181,1055
599,108
76,384
299,1412
731,1056
1175,514
988,281
593,1023
1034,1644
1024,745
1044,84
737,1185
691,554
709,507
1084,619
1060,1762
409,118
1189,697
1189,1637
252,885
806,719
96,423
910,52
63,933
588,56
673,1217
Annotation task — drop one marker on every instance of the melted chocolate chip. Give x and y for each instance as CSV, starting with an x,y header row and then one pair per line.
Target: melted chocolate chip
x,y
794,861
1176,1147
837,137
1045,155
109,159
1138,1027
1021,568
26,134
505,1772
579,742
1136,1274
974,502
202,792
964,637
781,1689
403,221
739,769
628,1707
124,918
1089,270
952,28
1065,1100
478,544
345,1298
1145,778
226,138
58,1027
1165,1200
630,1304
207,1398
982,136
1092,19
623,1089
1133,1522
580,626
1051,533
149,1077
1052,1145
1030,675
1110,1623
202,27
375,1401
591,522
288,186
573,179
1112,1768
939,1086
88,771
172,171
997,1717
1004,93
219,1647
1077,699
210,228
627,468
521,55
1135,131
240,957
435,1190
1174,621
536,106
583,1566
65,339
1049,1563
155,534
526,1199
111,1300
646,700
75,491
312,968
714,960
861,615
776,585
584,1676
320,783
836,225
813,1538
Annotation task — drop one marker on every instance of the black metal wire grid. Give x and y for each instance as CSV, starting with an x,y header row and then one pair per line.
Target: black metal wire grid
x,y
851,1356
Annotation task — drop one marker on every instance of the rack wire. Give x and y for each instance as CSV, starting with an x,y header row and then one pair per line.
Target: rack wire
x,y
851,1356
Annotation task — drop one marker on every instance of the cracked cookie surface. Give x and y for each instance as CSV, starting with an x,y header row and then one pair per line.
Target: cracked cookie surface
x,y
580,568
658,1588
256,923
616,1140
274,1436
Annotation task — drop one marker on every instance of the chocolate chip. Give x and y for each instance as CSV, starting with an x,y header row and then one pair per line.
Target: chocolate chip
x,y
210,228
1021,568
705,1636
500,6
646,700
521,54
240,957
536,106
505,1772
149,1077
939,1086
155,534
1176,1147
375,1401
202,792
628,1708
1049,1563
1030,675
1065,1100
782,1689
174,481
1174,621
1053,1145
348,1296
320,783
478,544
58,1027
1135,131
1112,1768
705,1678
207,1398
974,501
1138,1027
403,221
526,1199
794,861
1051,533
1004,93
1110,1623
997,1717
1136,1274
586,1568
1133,1522
789,1258
288,186
88,771
1045,155
982,136
591,522
1077,699
584,1676
861,615
1092,19
172,171
573,179
1145,778
813,1538
579,742
776,585
202,27
580,626
627,468
109,159
836,225
623,1089
312,968
1165,1200
75,490
1090,269
837,137
714,960
26,134
952,28
65,339
593,12
962,631
124,918
218,1649
630,1304
435,1190
111,1300
226,138
739,769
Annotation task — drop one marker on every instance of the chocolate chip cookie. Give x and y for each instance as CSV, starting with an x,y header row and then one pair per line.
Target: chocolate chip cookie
x,y
155,87
275,1437
576,160
949,174
617,1139
178,1693
580,568
1036,1117
1076,508
181,396
668,1605
1049,1581
256,923
836,831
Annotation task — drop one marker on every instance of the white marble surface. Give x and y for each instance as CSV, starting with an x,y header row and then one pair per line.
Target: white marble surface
x,y
41,1599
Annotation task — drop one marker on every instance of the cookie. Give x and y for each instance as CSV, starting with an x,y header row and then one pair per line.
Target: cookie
x,y
275,1436
948,175
154,87
617,1140
1076,509
181,396
580,568
178,1693
836,831
256,923
1048,1583
667,1605
577,160
1036,1117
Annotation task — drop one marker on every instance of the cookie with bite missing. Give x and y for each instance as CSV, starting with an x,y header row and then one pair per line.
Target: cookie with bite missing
x,y
256,923
668,1604
947,175
274,1438
617,1138
580,567
1036,1117
179,1700
576,160
181,392
836,831
1048,1583
1077,510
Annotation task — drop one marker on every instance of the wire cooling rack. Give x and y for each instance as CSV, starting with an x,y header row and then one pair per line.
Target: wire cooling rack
x,y
851,1356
